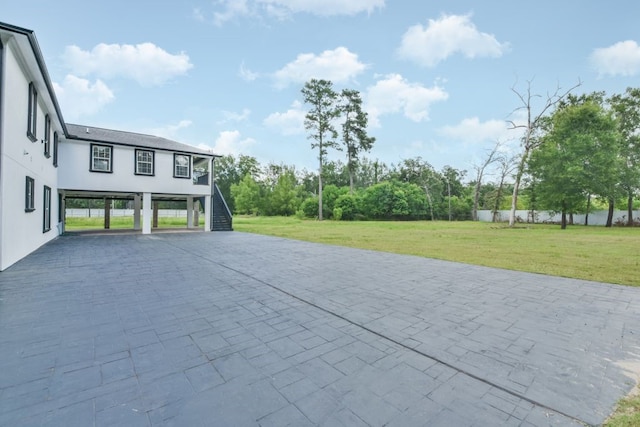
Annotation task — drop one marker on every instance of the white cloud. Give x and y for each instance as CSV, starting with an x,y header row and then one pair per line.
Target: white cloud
x,y
394,94
145,63
283,9
472,131
291,122
79,97
622,58
338,65
321,7
446,36
231,116
246,74
231,142
171,130
232,8
198,15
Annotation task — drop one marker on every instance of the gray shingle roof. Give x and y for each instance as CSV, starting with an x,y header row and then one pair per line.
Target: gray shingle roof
x,y
118,137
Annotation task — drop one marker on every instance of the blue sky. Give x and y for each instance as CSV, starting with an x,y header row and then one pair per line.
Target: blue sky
x,y
435,76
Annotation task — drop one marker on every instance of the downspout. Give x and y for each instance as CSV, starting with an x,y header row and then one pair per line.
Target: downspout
x,y
1,142
212,185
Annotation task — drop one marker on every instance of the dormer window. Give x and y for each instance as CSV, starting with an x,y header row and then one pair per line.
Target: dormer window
x,y
181,166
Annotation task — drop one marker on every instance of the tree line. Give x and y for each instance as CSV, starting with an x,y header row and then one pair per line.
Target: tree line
x,y
577,153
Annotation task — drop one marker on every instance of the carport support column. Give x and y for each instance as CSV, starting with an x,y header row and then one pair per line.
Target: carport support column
x,y
189,212
107,213
207,213
136,212
146,213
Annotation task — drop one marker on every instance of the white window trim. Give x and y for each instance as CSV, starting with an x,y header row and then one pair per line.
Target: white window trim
x,y
109,159
175,166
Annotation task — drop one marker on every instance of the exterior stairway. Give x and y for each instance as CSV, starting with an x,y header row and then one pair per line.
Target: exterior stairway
x,y
221,218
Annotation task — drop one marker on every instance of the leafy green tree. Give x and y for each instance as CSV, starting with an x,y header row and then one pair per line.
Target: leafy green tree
x,y
331,194
349,205
393,200
285,197
530,128
246,195
229,170
309,207
422,174
322,99
336,173
452,186
354,130
577,157
626,108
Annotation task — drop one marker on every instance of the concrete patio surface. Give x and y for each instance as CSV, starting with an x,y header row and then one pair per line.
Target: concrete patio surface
x,y
236,329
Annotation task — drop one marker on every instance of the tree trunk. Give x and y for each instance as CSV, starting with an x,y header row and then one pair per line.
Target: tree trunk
x,y
476,201
571,218
350,181
320,187
516,187
496,206
586,216
426,190
630,210
610,213
563,222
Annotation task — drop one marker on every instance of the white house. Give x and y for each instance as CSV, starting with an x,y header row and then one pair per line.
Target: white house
x,y
44,161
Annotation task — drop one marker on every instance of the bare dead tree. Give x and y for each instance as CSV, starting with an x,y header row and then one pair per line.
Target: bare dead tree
x,y
507,166
532,124
491,158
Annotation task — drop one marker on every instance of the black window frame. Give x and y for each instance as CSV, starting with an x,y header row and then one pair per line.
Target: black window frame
x,y
91,158
29,194
32,114
47,136
46,209
153,162
175,165
55,149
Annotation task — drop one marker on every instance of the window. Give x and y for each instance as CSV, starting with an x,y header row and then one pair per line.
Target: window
x,y
29,196
46,219
47,136
181,166
55,149
144,162
101,160
32,113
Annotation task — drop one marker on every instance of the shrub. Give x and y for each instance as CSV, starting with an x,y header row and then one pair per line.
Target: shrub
x,y
349,206
337,213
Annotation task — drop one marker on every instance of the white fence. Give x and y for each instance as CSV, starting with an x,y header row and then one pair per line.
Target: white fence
x,y
595,217
99,213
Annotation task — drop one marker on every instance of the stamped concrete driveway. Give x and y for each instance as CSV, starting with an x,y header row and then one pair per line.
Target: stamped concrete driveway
x,y
234,329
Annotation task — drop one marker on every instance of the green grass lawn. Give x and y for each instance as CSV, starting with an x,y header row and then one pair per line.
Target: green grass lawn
x,y
120,222
594,253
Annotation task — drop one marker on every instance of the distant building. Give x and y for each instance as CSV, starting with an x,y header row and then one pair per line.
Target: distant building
x,y
44,160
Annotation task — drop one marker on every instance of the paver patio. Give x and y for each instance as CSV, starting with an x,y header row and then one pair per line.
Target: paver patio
x,y
234,329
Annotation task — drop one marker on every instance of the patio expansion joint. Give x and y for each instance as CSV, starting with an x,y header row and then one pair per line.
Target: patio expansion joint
x,y
388,338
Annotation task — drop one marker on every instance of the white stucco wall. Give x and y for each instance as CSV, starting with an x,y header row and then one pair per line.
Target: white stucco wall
x,y
22,232
75,174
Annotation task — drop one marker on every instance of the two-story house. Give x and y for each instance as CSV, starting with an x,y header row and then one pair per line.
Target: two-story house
x,y
44,161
